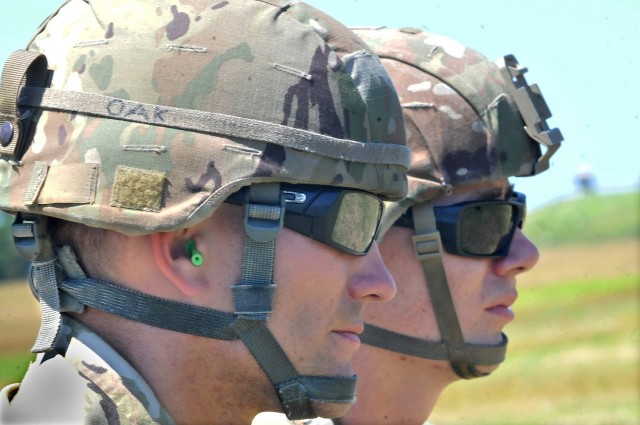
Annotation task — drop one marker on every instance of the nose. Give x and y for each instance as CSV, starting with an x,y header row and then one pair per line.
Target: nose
x,y
372,280
523,256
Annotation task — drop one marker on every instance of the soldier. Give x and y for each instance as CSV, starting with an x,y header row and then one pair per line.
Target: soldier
x,y
454,246
170,164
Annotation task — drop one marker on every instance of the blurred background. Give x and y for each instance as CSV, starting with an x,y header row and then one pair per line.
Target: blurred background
x,y
574,355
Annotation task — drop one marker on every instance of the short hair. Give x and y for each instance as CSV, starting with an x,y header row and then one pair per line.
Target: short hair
x,y
93,246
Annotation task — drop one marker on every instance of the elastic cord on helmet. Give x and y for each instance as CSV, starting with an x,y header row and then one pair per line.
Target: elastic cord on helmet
x,y
463,357
212,123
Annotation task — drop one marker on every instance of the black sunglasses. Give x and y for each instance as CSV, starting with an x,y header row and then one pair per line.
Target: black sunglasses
x,y
346,219
481,229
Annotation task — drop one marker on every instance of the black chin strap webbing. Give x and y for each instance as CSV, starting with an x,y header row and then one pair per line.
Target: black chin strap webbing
x,y
417,347
462,357
429,251
294,391
150,310
263,218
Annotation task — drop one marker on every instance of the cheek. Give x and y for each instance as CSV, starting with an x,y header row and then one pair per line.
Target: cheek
x,y
226,239
410,311
466,278
308,299
308,272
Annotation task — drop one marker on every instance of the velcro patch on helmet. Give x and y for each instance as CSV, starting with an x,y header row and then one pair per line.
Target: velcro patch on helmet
x,y
38,175
138,189
70,184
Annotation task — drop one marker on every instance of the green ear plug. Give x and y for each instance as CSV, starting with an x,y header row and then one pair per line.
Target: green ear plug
x,y
196,257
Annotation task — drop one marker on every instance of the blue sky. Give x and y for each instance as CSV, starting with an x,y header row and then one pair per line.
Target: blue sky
x,y
583,55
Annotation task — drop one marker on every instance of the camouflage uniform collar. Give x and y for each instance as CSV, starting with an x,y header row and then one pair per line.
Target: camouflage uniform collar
x,y
89,383
86,345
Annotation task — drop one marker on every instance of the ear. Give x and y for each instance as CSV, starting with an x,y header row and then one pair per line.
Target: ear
x,y
175,264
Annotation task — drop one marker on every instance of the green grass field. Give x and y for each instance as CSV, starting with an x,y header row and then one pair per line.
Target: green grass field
x,y
19,321
586,219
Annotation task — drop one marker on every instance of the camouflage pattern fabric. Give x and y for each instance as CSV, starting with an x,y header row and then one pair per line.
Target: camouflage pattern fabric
x,y
90,383
462,125
149,123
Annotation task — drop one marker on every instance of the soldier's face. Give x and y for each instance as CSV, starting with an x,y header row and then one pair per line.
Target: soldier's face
x,y
319,301
483,290
319,304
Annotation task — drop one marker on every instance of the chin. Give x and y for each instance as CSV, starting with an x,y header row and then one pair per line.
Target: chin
x,y
330,410
487,368
488,337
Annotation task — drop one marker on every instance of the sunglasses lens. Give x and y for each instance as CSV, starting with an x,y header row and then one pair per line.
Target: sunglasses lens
x,y
357,221
345,219
485,228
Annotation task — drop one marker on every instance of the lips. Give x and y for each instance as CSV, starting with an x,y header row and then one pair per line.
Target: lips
x,y
349,336
350,333
502,306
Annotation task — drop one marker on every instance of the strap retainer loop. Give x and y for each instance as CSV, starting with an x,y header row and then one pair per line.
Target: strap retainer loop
x,y
22,68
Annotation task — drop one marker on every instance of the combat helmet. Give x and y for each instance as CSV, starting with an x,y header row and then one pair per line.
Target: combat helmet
x,y
148,124
468,120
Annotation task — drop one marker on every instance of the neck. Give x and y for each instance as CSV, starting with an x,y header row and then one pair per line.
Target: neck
x,y
207,374
395,388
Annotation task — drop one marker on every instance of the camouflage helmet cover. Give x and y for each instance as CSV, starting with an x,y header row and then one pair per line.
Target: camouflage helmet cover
x,y
154,112
463,124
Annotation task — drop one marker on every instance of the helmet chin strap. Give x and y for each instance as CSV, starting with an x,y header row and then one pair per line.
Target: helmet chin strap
x,y
463,357
33,243
478,355
263,217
